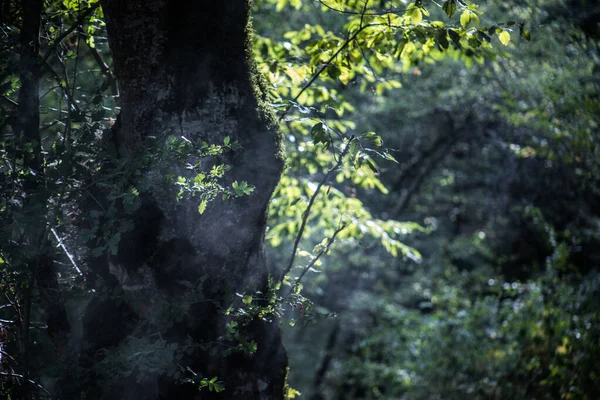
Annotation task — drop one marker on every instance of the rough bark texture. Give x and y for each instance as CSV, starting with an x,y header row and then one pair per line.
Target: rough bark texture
x,y
185,69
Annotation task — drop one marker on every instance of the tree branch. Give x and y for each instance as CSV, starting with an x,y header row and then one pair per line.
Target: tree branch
x,y
323,67
306,213
317,257
105,69
11,103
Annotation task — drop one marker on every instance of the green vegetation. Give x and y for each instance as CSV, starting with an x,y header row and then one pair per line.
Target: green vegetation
x,y
498,170
434,234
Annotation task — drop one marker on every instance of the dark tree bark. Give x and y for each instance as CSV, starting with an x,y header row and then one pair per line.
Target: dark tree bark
x,y
185,69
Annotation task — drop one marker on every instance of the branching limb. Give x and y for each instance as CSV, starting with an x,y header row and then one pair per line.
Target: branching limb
x,y
306,213
317,257
323,68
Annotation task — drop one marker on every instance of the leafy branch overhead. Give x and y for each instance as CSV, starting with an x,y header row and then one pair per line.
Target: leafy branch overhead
x,y
374,40
376,44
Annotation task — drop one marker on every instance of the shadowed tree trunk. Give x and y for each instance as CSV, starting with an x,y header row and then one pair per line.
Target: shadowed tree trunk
x,y
185,69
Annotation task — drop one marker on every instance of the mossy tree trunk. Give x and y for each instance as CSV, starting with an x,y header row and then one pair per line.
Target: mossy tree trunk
x,y
186,69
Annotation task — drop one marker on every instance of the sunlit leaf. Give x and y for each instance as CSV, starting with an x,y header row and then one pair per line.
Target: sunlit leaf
x,y
504,37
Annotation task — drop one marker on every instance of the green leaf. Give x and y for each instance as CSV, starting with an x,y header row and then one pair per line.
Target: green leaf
x,y
247,299
372,165
474,42
304,253
504,37
483,37
524,33
465,18
373,138
354,147
416,16
442,39
113,243
242,188
449,8
98,251
292,393
333,71
390,157
218,386
199,179
319,134
455,37
202,206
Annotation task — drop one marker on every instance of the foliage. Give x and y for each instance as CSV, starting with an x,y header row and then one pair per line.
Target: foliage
x,y
512,341
499,162
306,65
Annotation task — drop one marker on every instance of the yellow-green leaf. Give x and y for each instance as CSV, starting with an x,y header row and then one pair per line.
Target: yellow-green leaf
x,y
292,393
304,253
416,16
465,18
504,37
202,206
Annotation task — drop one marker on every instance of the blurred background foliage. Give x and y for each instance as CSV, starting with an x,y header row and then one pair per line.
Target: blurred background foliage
x,y
498,166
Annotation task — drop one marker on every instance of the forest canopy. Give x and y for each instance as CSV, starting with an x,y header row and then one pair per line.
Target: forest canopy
x,y
320,199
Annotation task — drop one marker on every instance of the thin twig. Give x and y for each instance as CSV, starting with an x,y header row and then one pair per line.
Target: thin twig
x,y
69,255
96,200
65,90
77,46
19,376
10,102
371,11
362,14
317,257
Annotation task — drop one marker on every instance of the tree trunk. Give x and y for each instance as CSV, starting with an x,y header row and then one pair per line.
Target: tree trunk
x,y
185,69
